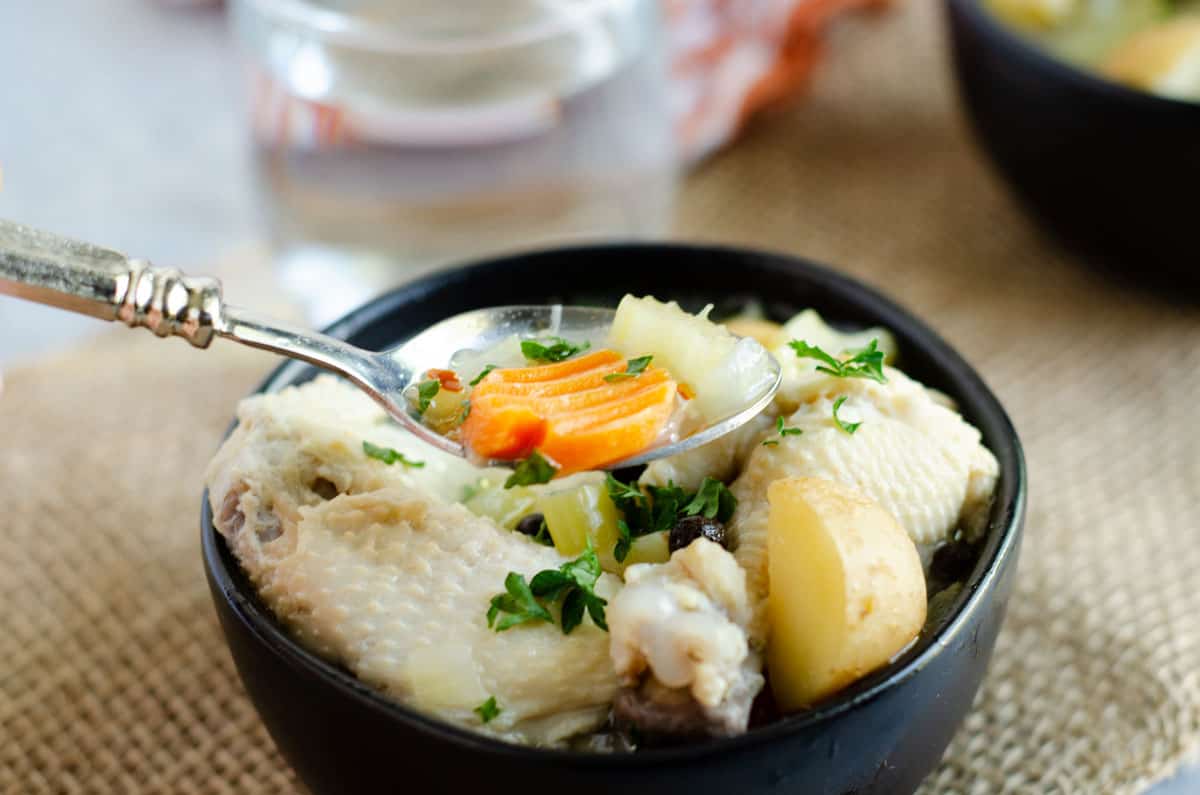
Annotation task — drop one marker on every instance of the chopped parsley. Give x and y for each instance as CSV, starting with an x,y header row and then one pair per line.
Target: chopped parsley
x,y
518,605
624,543
535,469
389,456
466,412
572,585
482,374
488,710
865,363
786,431
783,431
633,368
551,349
659,508
426,392
713,501
848,427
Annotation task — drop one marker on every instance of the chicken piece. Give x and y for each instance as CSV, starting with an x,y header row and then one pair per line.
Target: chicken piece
x,y
914,456
680,648
367,569
725,457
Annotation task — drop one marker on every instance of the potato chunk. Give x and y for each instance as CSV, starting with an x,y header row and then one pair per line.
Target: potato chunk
x,y
846,589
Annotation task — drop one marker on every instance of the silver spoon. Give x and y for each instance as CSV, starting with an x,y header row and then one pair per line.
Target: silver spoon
x,y
83,278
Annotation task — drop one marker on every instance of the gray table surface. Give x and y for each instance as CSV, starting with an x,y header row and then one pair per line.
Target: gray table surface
x,y
120,123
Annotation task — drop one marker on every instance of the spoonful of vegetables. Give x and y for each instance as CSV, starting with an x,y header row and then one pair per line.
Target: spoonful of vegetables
x,y
548,389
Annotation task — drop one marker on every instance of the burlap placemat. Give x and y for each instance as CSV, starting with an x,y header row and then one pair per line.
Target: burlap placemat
x,y
114,675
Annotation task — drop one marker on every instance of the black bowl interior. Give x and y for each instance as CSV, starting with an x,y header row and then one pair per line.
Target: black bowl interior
x,y
694,276
1102,166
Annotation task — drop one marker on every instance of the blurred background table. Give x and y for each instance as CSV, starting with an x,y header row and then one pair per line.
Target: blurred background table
x,y
130,136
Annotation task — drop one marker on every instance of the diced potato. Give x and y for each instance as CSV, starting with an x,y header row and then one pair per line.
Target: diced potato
x,y
847,592
579,512
769,334
719,369
504,506
445,411
651,548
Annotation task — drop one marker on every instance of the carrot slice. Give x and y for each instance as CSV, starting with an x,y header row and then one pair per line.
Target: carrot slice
x,y
504,432
569,412
551,372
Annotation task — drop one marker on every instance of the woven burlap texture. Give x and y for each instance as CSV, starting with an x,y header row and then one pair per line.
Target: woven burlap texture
x,y
115,677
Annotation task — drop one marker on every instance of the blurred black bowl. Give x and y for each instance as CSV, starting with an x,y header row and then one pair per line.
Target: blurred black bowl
x,y
881,735
1113,171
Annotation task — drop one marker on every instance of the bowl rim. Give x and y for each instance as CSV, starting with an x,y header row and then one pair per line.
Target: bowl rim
x,y
1020,47
999,551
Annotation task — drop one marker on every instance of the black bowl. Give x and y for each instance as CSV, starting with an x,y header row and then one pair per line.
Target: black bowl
x,y
1111,170
882,735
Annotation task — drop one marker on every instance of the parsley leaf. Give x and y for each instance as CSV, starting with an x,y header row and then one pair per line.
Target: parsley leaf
x,y
572,610
658,508
389,456
482,374
487,711
426,392
630,500
573,583
551,349
624,543
633,368
535,469
666,504
713,501
770,443
865,363
466,412
518,603
786,431
848,427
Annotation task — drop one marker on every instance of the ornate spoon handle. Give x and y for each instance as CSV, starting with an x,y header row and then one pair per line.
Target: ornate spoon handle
x,y
95,281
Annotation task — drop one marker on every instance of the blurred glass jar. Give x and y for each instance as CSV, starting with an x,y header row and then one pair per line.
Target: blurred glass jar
x,y
394,136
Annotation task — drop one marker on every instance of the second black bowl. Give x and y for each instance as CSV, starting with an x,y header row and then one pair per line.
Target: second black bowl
x,y
1111,170
881,735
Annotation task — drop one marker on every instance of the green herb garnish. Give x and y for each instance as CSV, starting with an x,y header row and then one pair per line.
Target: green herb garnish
x,y
482,374
466,412
571,584
848,427
518,604
488,710
713,501
535,469
426,392
786,431
658,508
770,443
551,349
865,363
633,368
389,456
624,543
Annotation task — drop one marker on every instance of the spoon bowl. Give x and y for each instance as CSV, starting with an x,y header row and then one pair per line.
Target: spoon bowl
x,y
481,329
